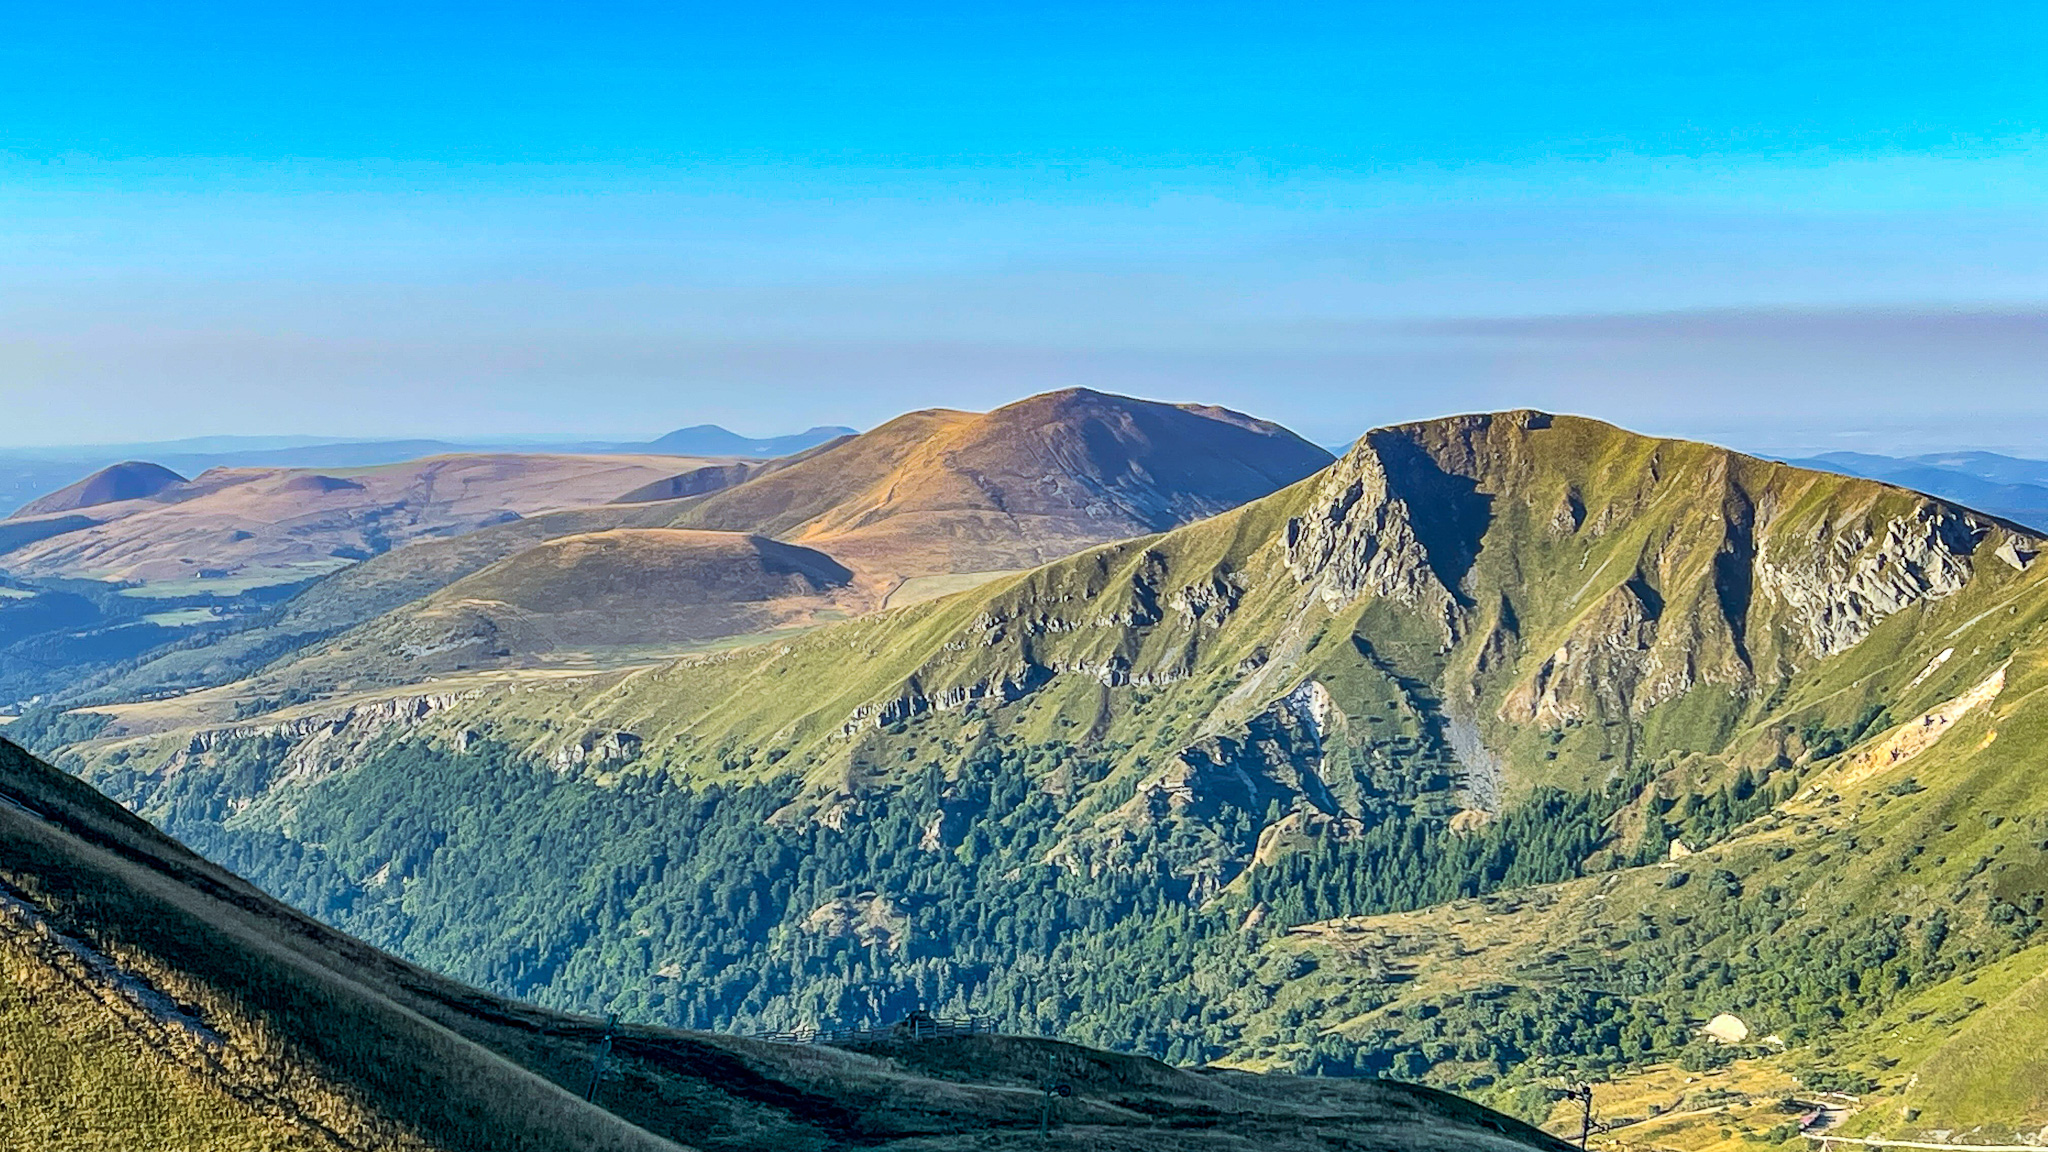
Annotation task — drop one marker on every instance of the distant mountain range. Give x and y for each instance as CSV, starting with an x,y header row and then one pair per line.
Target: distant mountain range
x,y
1503,748
27,473
2007,486
711,440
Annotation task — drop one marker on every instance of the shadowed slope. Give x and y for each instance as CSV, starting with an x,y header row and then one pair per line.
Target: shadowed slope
x,y
630,589
131,480
154,1000
937,491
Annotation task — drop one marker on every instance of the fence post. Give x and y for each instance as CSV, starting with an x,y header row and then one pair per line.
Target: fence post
x,y
604,1049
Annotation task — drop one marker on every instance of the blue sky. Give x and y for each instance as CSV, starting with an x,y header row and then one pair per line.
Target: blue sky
x,y
1789,227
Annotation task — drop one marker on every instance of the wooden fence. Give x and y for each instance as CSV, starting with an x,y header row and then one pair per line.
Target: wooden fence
x,y
910,1028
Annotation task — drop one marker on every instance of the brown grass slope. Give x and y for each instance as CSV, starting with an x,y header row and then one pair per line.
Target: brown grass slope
x,y
229,520
128,480
153,1000
630,589
940,491
931,495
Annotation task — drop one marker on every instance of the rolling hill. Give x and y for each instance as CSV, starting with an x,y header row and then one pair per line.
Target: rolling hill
x,y
131,480
256,524
624,590
134,582
929,503
939,492
2003,485
153,1000
1506,748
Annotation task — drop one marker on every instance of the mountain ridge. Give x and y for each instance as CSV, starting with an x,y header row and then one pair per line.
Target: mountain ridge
x,y
931,497
1532,662
2002,485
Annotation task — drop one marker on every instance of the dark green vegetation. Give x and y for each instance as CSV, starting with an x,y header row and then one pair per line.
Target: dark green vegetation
x,y
693,908
151,999
1504,748
65,637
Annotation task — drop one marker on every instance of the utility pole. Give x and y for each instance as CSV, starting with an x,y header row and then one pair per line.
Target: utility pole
x,y
1583,1093
1052,1092
604,1049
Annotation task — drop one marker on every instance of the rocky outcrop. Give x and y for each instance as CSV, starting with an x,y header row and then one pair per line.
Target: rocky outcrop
x,y
596,749
321,743
2018,551
1598,668
1358,539
1626,655
870,919
1277,757
1922,732
1837,584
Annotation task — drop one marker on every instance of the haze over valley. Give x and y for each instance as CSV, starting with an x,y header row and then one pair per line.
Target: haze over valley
x,y
1504,748
980,578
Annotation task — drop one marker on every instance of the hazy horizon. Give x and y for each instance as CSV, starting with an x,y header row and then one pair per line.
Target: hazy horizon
x,y
1785,230
1879,441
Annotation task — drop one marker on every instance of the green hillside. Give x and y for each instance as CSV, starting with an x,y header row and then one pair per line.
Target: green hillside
x,y
1507,747
152,1000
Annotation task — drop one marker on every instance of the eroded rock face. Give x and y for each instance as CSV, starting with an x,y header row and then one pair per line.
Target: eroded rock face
x,y
1839,586
2018,551
1607,655
1277,756
599,749
1358,538
321,743
871,919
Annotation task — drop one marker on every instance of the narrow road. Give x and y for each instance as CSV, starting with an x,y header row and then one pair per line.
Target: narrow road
x,y
1880,1142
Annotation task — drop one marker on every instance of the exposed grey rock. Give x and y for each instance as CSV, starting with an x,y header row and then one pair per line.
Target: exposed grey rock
x,y
599,749
1841,584
2018,551
1358,539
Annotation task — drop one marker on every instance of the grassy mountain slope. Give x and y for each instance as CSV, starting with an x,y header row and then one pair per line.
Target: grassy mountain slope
x,y
1131,796
153,1000
638,590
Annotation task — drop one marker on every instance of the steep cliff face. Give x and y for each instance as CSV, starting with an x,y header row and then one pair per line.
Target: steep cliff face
x,y
1588,576
1358,538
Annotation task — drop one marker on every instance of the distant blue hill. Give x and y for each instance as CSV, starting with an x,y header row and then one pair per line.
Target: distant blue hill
x,y
711,440
27,473
2007,486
